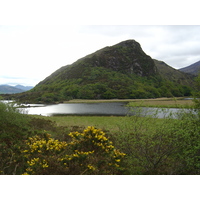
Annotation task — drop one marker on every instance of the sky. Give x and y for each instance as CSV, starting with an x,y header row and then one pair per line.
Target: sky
x,y
35,44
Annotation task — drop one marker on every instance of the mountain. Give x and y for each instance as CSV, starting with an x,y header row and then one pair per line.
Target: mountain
x,y
7,89
169,73
193,69
25,88
120,71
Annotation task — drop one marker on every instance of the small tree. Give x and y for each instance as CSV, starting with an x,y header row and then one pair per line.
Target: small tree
x,y
196,94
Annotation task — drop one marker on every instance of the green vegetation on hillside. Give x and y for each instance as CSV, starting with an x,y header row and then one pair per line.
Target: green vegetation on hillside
x,y
102,83
171,74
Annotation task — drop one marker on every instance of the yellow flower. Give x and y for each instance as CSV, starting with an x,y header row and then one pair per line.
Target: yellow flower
x,y
25,173
91,167
45,165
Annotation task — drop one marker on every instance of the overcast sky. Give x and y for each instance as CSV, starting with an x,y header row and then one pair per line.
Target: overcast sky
x,y
29,52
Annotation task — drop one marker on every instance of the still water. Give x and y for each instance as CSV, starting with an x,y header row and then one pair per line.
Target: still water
x,y
101,109
98,109
78,109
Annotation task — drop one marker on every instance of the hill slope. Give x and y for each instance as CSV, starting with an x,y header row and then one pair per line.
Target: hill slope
x,y
193,69
126,57
172,74
120,71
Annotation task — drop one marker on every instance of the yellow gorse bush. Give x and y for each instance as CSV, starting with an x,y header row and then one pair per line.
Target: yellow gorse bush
x,y
89,152
37,144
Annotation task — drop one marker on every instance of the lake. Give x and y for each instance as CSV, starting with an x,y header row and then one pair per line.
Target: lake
x,y
97,109
117,109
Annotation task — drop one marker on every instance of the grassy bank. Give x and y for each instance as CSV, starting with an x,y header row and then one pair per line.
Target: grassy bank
x,y
179,102
163,103
109,124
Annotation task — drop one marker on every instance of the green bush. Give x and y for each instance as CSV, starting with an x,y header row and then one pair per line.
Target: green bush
x,y
89,152
13,130
160,146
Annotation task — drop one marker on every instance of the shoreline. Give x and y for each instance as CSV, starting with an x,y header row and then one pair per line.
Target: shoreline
x,y
164,102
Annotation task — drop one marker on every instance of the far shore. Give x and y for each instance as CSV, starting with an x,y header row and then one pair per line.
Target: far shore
x,y
175,102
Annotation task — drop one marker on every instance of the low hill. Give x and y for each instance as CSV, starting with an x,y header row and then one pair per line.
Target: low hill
x,y
193,69
120,71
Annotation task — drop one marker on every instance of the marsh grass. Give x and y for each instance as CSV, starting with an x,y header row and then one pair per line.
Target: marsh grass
x,y
178,102
163,103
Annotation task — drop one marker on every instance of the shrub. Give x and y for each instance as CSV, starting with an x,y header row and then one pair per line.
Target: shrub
x,y
13,130
89,152
160,146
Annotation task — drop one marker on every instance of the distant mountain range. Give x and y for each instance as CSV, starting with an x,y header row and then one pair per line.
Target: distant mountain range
x,y
25,88
193,69
8,89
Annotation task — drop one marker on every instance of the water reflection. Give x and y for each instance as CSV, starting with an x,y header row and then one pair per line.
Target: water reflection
x,y
103,109
115,109
80,109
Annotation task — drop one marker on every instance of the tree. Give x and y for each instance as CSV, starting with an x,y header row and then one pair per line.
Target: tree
x,y
196,94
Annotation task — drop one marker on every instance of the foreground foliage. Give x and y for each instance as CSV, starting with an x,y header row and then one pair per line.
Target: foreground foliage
x,y
30,145
89,152
160,146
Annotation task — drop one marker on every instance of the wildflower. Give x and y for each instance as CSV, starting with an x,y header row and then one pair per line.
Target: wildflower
x,y
45,165
25,173
91,167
